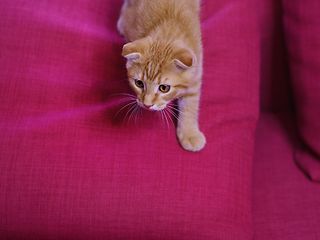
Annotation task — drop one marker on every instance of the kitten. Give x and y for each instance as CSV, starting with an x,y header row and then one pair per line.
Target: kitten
x,y
164,59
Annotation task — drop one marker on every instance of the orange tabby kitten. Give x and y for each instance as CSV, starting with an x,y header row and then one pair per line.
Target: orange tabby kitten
x,y
164,59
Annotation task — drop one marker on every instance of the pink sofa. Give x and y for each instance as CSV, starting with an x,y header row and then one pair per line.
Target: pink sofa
x,y
73,168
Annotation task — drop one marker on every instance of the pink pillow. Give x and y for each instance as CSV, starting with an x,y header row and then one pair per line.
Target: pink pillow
x,y
70,170
302,26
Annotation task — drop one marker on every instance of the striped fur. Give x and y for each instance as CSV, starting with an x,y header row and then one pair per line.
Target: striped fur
x,y
164,48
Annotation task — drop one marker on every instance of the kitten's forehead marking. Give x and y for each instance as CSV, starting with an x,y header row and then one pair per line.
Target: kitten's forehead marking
x,y
159,55
151,71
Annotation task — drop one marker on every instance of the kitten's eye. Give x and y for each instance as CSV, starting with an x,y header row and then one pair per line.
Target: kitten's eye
x,y
164,88
139,84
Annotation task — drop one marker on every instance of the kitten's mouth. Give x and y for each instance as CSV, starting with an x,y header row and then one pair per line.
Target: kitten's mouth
x,y
152,108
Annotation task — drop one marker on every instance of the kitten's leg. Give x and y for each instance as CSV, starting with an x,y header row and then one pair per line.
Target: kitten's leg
x,y
189,135
120,23
119,26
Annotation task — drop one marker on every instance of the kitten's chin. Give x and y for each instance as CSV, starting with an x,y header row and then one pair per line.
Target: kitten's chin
x,y
152,108
157,108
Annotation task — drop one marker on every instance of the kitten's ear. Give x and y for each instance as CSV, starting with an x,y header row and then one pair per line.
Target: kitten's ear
x,y
184,59
130,52
133,51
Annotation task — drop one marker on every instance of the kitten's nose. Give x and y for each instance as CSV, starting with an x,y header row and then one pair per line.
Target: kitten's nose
x,y
148,105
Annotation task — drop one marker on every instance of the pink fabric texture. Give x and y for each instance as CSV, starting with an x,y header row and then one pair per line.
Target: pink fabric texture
x,y
285,202
72,169
275,90
303,38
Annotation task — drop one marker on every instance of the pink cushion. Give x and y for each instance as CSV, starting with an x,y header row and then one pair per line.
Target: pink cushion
x,y
285,202
275,90
71,170
302,25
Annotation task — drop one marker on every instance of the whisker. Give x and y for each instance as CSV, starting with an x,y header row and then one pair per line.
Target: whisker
x,y
133,112
126,99
129,112
173,114
122,108
166,118
167,121
122,94
140,111
136,115
174,108
162,116
180,111
169,116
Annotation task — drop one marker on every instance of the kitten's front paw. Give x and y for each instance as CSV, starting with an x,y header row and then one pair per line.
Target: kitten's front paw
x,y
191,140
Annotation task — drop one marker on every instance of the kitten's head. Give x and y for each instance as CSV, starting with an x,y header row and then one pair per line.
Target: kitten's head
x,y
158,72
